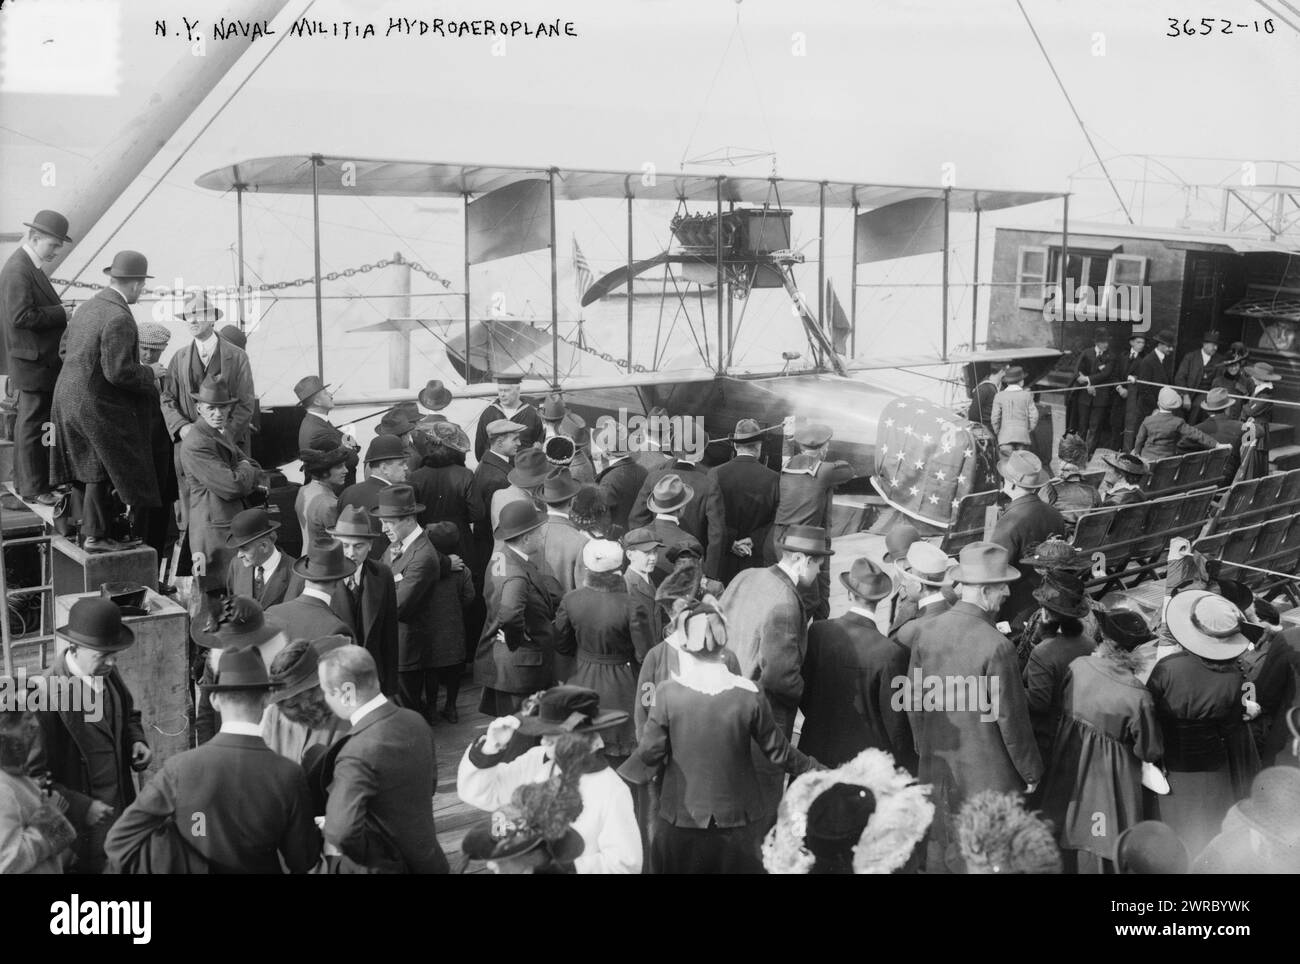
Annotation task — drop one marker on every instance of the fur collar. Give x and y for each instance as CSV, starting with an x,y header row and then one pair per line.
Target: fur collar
x,y
605,581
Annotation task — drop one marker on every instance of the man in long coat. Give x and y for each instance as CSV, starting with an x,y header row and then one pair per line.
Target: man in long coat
x,y
101,405
155,524
966,703
620,481
704,516
1156,368
1091,408
316,430
1197,370
1025,522
34,322
416,568
89,755
750,492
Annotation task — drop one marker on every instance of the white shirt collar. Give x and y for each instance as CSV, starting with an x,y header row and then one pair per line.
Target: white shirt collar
x,y
77,671
207,346
928,598
511,411
556,512
864,613
31,253
272,563
1123,485
409,541
669,518
1161,352
1262,386
1013,388
515,550
317,594
241,728
1207,355
361,712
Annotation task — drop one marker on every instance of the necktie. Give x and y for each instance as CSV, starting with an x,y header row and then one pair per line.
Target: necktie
x,y
259,582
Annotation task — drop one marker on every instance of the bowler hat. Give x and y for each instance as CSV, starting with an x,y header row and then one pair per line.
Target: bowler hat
x,y
445,537
325,562
1216,401
1063,594
197,305
384,448
1127,463
233,336
517,518
560,486
530,470
240,625
747,429
1150,847
1206,624
1025,470
810,540
97,624
1125,628
240,669
1165,337
670,493
643,539
1263,372
128,265
982,564
567,709
899,539
926,563
308,388
1137,336
435,396
866,579
153,335
52,223
503,426
317,460
298,677
397,502
214,391
250,525
553,409
1014,375
813,435
353,523
394,424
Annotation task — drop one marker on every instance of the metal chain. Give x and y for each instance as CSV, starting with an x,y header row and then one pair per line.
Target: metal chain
x,y
302,282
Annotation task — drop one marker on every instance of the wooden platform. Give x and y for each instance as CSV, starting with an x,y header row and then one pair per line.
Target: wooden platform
x,y
453,818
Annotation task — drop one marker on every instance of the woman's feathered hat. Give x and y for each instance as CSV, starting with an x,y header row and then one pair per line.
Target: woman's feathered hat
x,y
997,835
538,815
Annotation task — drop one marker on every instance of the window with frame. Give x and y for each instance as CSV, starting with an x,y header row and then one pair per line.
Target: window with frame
x,y
1203,278
1126,297
1031,276
1080,276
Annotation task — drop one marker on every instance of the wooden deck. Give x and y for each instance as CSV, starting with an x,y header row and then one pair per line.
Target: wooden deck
x,y
451,816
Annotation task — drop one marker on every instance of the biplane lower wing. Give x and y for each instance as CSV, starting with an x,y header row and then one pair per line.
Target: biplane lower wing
x,y
542,386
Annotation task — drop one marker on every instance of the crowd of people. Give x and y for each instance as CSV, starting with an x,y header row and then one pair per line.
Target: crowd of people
x,y
668,686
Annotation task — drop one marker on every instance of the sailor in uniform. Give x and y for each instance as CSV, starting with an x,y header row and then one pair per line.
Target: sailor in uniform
x,y
508,405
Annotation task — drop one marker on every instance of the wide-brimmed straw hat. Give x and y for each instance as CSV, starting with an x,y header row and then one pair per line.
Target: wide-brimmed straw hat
x,y
927,564
1206,624
1127,463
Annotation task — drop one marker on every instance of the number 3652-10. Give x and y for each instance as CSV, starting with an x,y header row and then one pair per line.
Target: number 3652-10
x,y
1188,28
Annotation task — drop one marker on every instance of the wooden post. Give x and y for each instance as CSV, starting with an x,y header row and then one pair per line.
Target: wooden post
x,y
975,283
469,375
555,295
717,244
853,287
944,340
239,249
630,283
316,161
399,342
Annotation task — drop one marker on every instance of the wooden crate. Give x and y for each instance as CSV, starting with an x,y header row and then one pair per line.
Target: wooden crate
x,y
79,571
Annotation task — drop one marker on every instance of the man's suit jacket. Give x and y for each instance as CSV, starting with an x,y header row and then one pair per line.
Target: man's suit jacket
x,y
415,573
647,627
981,404
488,477
219,478
321,435
561,554
670,534
1194,373
34,322
1025,523
750,492
620,484
239,582
1151,369
1099,371
1015,416
704,516
381,780
365,495
231,362
238,803
307,617
516,653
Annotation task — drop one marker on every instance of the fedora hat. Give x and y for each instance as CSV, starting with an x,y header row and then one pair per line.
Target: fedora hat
x,y
504,426
325,562
1125,628
394,424
1206,624
241,624
517,518
553,409
308,388
447,434
316,460
1216,401
397,502
813,435
52,223
866,579
214,391
567,709
354,523
747,429
1014,375
530,470
96,623
153,335
298,677
1263,372
927,563
1063,594
1025,470
435,396
1150,847
899,539
231,335
249,525
983,564
385,448
197,305
810,540
1127,463
128,265
1054,553
1165,337
240,669
1274,803
670,493
560,486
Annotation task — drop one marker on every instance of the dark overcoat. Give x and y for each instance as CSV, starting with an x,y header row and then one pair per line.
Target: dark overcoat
x,y
307,617
445,489
620,484
1025,523
101,404
415,573
516,653
34,322
703,517
219,479
750,492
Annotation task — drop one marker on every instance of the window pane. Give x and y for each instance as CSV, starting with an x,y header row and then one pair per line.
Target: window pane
x,y
1032,263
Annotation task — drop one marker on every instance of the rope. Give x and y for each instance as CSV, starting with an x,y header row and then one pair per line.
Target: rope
x,y
170,167
1267,572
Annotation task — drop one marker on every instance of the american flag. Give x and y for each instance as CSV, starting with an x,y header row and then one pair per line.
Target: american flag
x,y
582,276
926,459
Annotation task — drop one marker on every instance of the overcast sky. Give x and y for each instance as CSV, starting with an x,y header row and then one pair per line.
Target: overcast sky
x,y
838,89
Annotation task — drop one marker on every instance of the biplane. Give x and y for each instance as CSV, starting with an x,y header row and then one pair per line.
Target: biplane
x,y
730,236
